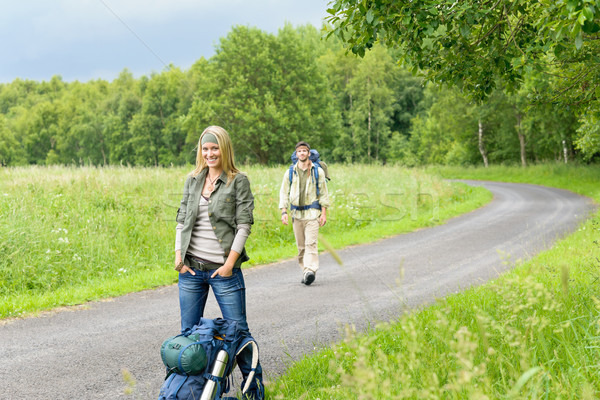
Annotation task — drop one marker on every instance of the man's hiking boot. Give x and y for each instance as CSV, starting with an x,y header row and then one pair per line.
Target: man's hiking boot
x,y
309,277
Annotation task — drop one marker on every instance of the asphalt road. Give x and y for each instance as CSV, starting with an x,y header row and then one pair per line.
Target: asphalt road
x,y
80,352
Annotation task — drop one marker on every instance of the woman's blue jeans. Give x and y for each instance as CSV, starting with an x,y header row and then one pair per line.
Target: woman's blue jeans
x,y
230,293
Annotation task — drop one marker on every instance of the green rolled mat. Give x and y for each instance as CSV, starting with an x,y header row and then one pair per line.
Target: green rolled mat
x,y
183,355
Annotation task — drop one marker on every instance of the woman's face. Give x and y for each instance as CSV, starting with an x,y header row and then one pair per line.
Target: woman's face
x,y
212,155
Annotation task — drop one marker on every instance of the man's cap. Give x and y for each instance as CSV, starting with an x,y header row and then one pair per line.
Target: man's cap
x,y
302,143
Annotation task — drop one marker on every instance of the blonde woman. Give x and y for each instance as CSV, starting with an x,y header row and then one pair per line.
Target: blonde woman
x,y
213,223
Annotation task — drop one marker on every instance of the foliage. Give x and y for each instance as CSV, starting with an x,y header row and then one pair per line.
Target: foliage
x,y
477,45
471,43
7,143
447,131
271,90
372,106
589,137
377,101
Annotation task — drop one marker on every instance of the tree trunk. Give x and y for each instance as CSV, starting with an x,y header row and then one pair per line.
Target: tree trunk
x,y
521,141
481,145
369,135
351,127
369,119
564,143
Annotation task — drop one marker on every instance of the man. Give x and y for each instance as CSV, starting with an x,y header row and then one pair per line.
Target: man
x,y
307,200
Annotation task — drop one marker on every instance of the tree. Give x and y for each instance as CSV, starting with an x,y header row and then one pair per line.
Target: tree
x,y
41,133
9,147
409,94
123,101
268,92
589,135
373,105
481,143
549,128
81,138
372,89
340,69
457,130
157,137
447,132
477,44
16,123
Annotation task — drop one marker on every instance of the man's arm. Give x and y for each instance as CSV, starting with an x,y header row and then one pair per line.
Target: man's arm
x,y
323,197
323,217
284,197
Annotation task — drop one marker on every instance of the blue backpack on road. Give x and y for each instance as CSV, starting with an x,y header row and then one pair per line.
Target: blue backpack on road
x,y
199,362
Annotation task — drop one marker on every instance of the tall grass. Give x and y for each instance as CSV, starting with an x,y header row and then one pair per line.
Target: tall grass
x,y
70,235
533,333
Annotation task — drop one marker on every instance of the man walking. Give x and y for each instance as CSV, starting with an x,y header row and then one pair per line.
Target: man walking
x,y
304,193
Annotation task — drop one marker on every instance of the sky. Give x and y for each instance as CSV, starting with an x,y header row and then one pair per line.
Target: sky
x,y
97,39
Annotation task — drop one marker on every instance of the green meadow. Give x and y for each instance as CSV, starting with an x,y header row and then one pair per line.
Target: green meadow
x,y
533,333
71,235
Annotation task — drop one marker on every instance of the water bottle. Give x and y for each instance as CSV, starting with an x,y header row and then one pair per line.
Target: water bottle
x,y
218,370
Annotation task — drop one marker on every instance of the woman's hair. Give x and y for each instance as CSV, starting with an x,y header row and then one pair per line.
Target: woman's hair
x,y
226,147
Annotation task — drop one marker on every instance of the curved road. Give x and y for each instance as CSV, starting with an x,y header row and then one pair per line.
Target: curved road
x,y
79,353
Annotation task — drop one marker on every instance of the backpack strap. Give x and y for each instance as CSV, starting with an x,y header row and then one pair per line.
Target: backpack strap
x,y
180,384
314,204
316,169
291,173
316,165
251,344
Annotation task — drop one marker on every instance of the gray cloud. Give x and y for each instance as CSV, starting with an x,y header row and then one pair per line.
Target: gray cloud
x,y
90,39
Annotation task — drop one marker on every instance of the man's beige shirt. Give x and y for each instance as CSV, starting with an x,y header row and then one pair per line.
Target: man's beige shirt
x,y
290,194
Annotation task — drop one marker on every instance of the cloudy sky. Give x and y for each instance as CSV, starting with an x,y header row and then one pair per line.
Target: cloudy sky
x,y
90,39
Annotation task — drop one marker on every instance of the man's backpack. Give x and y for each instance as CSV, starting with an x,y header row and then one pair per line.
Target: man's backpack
x,y
200,362
315,158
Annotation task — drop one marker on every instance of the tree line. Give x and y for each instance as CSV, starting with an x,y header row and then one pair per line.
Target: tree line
x,y
543,53
270,91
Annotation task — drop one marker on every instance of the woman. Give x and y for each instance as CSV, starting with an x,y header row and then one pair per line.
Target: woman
x,y
213,223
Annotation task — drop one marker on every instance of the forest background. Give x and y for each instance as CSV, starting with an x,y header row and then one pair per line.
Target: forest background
x,y
271,90
540,103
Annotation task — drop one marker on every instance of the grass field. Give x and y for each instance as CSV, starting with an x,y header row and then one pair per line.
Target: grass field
x,y
70,235
533,333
